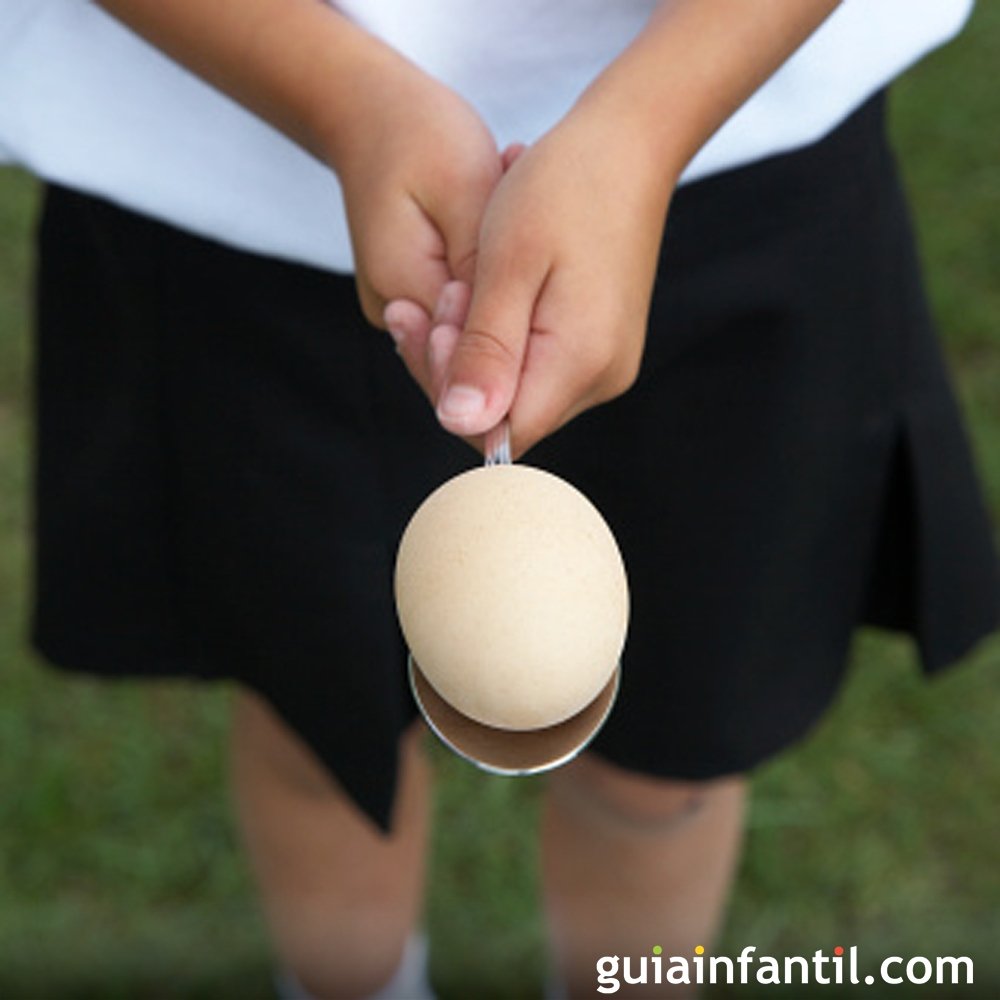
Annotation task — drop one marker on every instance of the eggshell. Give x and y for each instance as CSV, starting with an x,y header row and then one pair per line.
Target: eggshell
x,y
512,596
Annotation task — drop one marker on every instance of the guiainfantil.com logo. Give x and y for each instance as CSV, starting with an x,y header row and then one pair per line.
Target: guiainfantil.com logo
x,y
748,967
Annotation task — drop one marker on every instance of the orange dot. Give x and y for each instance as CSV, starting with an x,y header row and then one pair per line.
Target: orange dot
x,y
838,950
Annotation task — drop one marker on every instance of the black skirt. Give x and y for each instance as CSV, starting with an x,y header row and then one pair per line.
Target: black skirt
x,y
227,456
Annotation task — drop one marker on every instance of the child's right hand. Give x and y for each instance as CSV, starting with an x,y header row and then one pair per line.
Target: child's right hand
x,y
417,166
415,161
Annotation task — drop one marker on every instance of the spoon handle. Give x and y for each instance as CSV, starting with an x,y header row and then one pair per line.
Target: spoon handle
x,y
497,450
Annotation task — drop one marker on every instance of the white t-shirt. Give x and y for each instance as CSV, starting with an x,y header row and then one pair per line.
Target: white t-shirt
x,y
86,103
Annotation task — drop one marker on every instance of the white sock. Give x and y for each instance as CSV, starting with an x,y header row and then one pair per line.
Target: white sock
x,y
555,988
410,982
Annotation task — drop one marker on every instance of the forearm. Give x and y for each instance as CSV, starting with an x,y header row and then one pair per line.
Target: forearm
x,y
693,65
298,64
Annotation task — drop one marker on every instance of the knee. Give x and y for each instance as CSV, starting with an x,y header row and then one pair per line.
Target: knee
x,y
367,958
595,790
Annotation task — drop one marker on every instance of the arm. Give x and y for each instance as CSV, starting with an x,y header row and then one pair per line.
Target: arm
x,y
569,242
414,160
694,65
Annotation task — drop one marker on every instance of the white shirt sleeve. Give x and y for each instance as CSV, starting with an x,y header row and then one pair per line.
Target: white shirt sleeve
x,y
86,103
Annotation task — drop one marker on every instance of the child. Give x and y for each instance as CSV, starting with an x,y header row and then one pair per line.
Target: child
x,y
228,451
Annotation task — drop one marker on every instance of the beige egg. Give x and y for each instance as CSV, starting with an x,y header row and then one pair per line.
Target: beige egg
x,y
512,596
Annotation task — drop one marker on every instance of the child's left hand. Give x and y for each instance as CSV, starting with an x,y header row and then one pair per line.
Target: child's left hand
x,y
557,318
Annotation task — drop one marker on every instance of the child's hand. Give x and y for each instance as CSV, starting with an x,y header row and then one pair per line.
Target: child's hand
x,y
417,166
416,163
567,256
568,245
426,341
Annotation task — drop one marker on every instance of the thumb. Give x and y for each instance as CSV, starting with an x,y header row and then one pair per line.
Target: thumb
x,y
482,376
511,154
459,216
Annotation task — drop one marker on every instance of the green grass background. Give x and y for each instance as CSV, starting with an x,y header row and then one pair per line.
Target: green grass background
x,y
120,875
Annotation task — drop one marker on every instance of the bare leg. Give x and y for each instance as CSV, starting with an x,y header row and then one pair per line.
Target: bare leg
x,y
630,862
341,899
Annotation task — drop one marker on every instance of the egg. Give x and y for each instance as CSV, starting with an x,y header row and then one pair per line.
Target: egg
x,y
512,596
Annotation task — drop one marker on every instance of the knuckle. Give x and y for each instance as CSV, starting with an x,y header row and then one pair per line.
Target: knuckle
x,y
610,366
463,263
595,357
385,281
381,273
461,174
481,168
481,342
603,357
463,180
372,305
622,377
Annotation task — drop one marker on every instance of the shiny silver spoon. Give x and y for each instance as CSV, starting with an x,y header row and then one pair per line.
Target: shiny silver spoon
x,y
510,752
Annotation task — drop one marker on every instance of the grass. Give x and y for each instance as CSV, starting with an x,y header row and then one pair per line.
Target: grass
x,y
120,875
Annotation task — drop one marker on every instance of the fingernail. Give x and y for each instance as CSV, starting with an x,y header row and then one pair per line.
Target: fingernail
x,y
397,335
461,402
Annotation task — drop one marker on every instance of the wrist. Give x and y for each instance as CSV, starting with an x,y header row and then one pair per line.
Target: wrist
x,y
629,163
631,134
695,63
372,91
300,65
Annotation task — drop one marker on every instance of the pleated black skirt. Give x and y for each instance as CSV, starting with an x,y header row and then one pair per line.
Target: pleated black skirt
x,y
227,456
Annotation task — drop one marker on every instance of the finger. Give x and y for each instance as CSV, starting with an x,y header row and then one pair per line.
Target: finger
x,y
574,357
372,304
420,283
449,316
509,156
410,326
545,397
564,376
485,366
403,257
459,217
405,320
440,347
453,304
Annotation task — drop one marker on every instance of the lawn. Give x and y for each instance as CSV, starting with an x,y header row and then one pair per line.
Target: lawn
x,y
119,870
